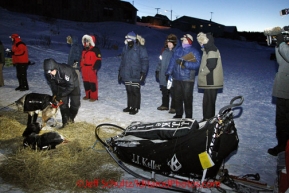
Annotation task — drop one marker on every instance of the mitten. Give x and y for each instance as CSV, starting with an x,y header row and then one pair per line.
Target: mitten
x,y
180,61
58,98
95,66
167,77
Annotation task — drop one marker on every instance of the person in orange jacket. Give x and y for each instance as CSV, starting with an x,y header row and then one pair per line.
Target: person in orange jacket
x,y
20,61
89,65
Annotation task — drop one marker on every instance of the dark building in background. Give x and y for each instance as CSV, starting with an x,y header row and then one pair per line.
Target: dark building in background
x,y
196,25
76,10
158,19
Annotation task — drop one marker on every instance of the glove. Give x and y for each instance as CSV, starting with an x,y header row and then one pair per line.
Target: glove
x,y
96,66
279,39
142,76
119,78
167,77
75,64
157,75
57,98
180,61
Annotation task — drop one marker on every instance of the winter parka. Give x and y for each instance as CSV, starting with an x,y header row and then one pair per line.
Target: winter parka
x,y
19,51
75,52
163,65
186,73
134,61
211,70
281,82
2,54
65,82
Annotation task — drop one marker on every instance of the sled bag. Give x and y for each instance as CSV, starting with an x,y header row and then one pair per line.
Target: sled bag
x,y
161,151
163,129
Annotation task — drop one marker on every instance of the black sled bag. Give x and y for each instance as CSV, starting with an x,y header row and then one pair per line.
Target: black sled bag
x,y
171,147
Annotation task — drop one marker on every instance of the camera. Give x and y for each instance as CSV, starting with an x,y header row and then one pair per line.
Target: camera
x,y
272,35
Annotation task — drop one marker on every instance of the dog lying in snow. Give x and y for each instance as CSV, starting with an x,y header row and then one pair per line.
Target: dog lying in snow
x,y
46,141
34,103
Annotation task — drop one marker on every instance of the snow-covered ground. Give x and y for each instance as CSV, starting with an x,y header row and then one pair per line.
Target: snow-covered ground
x,y
247,72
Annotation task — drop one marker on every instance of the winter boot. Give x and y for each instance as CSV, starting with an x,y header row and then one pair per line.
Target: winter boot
x,y
65,117
127,109
73,113
133,111
276,150
24,85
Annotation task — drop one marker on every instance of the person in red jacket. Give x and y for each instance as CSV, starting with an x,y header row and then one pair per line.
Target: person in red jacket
x,y
20,61
89,65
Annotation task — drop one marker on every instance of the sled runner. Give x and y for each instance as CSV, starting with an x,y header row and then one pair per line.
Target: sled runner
x,y
180,149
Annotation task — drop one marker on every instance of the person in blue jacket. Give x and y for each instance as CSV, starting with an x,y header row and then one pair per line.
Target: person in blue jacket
x,y
182,67
133,70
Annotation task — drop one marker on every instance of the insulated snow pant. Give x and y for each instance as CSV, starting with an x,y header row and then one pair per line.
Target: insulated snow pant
x,y
21,73
183,97
90,82
165,97
282,121
69,111
133,94
209,103
166,93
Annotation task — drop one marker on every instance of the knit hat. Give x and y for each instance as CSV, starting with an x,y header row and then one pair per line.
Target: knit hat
x,y
14,36
188,37
131,35
202,38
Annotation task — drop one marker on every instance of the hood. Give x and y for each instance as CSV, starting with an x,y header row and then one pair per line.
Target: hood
x,y
16,37
210,45
50,64
88,39
207,40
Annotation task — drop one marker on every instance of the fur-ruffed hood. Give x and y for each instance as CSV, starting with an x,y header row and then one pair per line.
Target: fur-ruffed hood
x,y
140,39
207,40
90,39
202,38
273,31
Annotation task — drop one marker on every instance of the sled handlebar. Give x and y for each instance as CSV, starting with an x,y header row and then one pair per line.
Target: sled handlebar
x,y
232,104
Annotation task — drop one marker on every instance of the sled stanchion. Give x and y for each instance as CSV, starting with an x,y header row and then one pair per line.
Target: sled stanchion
x,y
232,104
105,124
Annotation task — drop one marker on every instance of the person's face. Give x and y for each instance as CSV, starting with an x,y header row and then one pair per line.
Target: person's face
x,y
52,72
170,45
185,41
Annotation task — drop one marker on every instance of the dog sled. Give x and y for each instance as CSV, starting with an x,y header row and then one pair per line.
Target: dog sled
x,y
190,153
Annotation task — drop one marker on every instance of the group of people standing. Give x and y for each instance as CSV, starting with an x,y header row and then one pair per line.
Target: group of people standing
x,y
180,62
